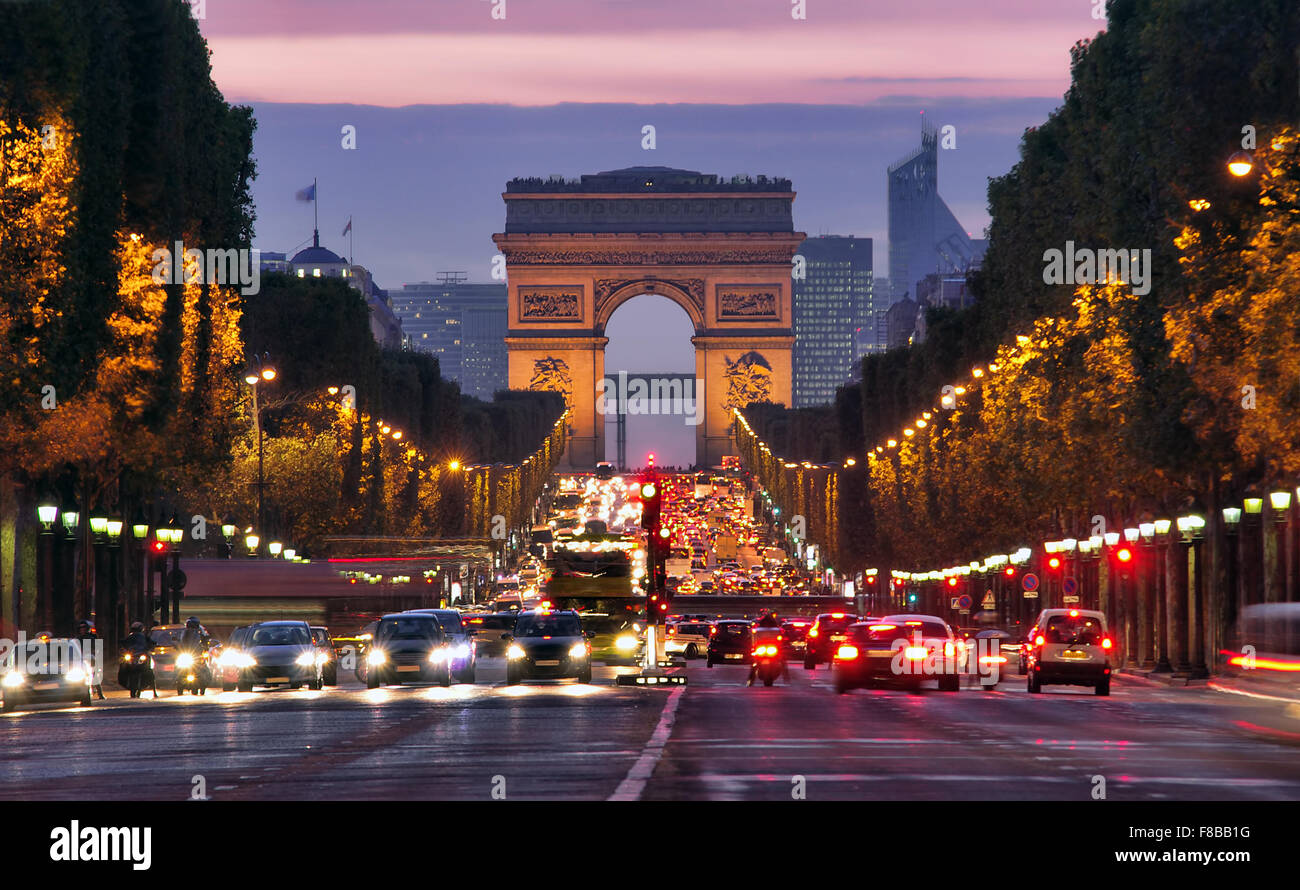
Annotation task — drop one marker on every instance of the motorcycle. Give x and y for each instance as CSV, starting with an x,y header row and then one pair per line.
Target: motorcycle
x,y
193,673
135,672
768,658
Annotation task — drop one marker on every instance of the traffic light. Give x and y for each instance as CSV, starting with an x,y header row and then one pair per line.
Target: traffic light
x,y
952,582
1054,562
651,500
1010,571
911,598
1124,555
158,555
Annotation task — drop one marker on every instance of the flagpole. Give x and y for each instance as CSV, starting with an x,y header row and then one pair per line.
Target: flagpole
x,y
315,205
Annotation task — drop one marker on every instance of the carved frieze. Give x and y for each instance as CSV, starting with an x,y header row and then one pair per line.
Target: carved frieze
x,y
749,302
649,257
562,303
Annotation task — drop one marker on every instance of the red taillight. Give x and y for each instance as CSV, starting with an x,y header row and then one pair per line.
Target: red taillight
x,y
813,632
672,631
712,631
1038,640
949,649
916,653
1106,643
846,652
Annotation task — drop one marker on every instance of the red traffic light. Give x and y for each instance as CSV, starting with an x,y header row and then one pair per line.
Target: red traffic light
x,y
952,582
1124,554
665,532
1054,562
650,460
159,547
648,490
1010,572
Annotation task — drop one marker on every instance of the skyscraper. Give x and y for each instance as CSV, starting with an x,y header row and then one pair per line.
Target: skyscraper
x,y
834,316
924,236
464,325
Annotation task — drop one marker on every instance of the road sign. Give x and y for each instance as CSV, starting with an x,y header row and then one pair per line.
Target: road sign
x,y
1070,587
965,611
963,602
989,602
954,603
1069,599
175,580
1029,582
1031,594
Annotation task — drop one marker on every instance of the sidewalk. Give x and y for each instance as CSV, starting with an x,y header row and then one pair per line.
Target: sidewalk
x,y
1266,688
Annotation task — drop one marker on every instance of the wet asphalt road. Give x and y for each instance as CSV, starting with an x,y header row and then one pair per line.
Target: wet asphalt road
x,y
715,739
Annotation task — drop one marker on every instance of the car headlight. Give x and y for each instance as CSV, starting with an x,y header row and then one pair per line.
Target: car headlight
x,y
307,659
75,675
461,651
514,652
578,650
244,660
438,656
376,656
184,660
625,642
13,678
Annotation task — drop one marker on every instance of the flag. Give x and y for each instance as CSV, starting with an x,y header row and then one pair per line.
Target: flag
x,y
348,227
307,194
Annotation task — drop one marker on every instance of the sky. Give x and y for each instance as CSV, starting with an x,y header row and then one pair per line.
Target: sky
x,y
449,103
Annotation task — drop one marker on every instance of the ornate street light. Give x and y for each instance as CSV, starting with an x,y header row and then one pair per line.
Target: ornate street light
x,y
98,524
114,529
1231,518
251,541
1069,544
1147,530
1162,528
1131,535
1254,506
275,547
1281,504
71,516
290,553
47,512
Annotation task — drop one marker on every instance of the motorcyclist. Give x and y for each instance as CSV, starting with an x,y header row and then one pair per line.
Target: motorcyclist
x,y
193,639
768,619
137,642
90,642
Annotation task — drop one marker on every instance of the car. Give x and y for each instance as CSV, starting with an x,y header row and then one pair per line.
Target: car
x,y
165,639
1070,648
827,632
905,650
729,643
688,638
794,635
460,635
330,666
279,653
44,670
615,639
231,656
489,628
408,646
548,644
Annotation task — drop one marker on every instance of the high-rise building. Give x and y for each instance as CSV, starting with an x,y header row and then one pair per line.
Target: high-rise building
x,y
834,316
463,324
924,236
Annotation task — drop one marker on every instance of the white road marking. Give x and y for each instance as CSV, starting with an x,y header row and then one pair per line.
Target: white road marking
x,y
634,783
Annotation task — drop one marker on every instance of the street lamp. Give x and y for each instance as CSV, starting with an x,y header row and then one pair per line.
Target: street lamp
x,y
251,541
71,516
1240,164
47,512
275,547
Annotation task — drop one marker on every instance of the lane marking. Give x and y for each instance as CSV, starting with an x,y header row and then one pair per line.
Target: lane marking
x,y
634,783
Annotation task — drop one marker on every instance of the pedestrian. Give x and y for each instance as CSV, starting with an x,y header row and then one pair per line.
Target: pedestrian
x,y
92,651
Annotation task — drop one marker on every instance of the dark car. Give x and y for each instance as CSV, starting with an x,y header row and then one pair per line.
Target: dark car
x,y
488,629
729,643
824,637
548,645
330,664
166,638
408,646
903,650
279,653
460,635
794,636
43,670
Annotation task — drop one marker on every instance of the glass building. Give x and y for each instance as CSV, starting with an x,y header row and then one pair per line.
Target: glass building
x,y
834,316
464,325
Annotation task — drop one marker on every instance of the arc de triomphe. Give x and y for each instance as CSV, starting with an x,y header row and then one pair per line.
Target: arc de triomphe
x,y
577,250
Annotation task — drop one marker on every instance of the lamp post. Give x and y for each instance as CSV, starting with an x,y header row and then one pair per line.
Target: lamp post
x,y
114,607
1160,532
1276,547
140,535
1232,593
65,583
228,535
1192,530
259,372
96,601
47,512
